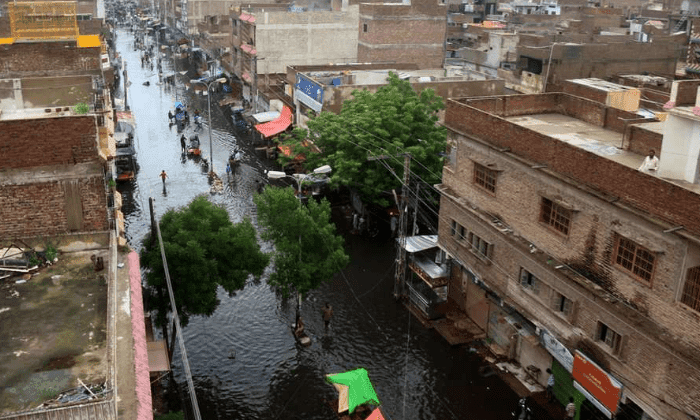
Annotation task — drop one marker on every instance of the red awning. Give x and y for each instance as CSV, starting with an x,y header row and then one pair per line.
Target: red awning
x,y
277,126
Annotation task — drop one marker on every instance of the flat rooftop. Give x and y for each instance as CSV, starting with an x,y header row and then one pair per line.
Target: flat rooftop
x,y
31,97
592,138
54,332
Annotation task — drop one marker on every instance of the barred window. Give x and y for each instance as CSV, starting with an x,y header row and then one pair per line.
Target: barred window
x,y
529,281
485,177
458,231
479,246
634,258
555,216
691,289
561,303
610,338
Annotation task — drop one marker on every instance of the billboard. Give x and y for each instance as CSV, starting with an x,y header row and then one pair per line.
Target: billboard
x,y
308,92
601,385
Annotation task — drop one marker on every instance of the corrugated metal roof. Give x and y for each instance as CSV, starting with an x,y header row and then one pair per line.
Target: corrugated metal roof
x,y
420,243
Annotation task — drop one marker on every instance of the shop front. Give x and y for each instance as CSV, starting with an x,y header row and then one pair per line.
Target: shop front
x,y
428,275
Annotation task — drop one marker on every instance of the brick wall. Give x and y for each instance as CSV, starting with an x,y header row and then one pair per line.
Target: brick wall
x,y
402,32
49,141
641,140
399,33
668,202
687,92
644,314
423,57
40,209
583,91
45,58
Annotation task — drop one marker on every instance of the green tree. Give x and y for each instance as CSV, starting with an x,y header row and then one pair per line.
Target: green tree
x,y
307,249
204,250
393,121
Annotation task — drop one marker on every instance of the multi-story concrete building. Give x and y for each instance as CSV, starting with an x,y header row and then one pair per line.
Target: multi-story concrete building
x,y
407,32
571,258
267,40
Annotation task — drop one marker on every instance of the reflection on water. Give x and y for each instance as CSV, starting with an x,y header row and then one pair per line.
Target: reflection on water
x,y
416,374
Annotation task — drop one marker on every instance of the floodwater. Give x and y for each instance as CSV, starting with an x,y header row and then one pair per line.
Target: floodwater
x,y
244,360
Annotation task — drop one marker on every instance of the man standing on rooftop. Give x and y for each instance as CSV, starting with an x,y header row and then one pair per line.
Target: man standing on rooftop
x,y
650,164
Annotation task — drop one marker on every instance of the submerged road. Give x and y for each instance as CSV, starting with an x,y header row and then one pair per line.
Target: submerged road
x,y
416,374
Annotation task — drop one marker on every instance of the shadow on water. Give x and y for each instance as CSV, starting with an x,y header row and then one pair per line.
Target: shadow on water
x,y
415,373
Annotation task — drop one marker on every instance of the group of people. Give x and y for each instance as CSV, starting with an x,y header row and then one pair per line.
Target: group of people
x,y
570,408
299,323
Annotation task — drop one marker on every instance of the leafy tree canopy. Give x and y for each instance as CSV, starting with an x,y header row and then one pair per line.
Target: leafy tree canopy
x,y
307,249
393,121
204,250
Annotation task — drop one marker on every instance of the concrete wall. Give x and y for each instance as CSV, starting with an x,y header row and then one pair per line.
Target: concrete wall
x,y
197,10
47,58
287,39
660,335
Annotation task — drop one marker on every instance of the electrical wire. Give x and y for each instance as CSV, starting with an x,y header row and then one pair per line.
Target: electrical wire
x,y
511,277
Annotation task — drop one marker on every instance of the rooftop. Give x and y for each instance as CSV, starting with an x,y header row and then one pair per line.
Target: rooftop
x,y
42,97
581,140
54,329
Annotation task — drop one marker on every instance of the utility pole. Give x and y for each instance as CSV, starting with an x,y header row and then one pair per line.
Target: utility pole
x,y
415,211
400,277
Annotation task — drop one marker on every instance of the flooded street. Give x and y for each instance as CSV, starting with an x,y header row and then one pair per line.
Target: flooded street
x,y
245,362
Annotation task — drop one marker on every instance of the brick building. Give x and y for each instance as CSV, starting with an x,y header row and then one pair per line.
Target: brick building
x,y
53,154
569,257
408,32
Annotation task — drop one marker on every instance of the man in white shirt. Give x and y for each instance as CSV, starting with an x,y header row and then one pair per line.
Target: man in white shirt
x,y
650,164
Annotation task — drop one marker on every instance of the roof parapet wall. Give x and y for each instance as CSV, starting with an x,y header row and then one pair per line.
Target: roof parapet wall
x,y
484,119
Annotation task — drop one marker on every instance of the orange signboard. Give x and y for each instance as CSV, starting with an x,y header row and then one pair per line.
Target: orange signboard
x,y
595,380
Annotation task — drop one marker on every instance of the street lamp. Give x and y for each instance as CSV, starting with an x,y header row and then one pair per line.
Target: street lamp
x,y
299,178
208,85
325,169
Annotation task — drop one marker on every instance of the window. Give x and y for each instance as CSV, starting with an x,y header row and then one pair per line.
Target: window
x,y
610,338
458,231
562,304
691,289
364,27
479,246
485,177
555,216
634,258
529,281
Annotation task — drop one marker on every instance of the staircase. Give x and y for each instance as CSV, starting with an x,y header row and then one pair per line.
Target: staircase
x,y
681,21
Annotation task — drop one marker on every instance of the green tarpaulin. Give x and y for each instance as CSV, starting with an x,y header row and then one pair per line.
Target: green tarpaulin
x,y
360,389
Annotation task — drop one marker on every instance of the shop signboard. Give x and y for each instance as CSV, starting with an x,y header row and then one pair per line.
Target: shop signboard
x,y
601,385
557,350
308,92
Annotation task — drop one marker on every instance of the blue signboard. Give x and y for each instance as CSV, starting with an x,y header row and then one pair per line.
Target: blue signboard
x,y
310,88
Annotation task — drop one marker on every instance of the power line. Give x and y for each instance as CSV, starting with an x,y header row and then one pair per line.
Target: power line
x,y
511,277
178,329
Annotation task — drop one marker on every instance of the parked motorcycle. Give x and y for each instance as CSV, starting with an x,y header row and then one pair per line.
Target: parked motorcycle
x,y
523,412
